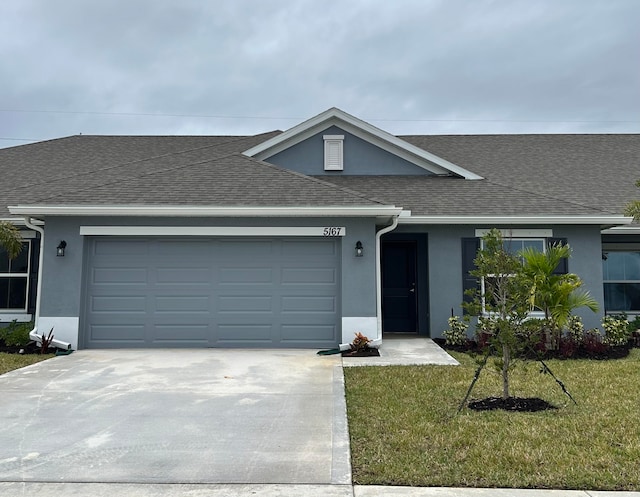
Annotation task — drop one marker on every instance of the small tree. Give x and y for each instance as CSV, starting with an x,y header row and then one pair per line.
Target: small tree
x,y
633,207
503,297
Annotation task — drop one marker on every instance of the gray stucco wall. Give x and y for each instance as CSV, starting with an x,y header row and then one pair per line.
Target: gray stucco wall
x,y
62,276
586,262
360,157
445,267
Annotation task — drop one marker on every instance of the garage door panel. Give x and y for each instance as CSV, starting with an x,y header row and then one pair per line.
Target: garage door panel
x,y
178,275
297,304
113,333
182,304
305,276
246,303
246,333
180,332
168,249
118,303
231,250
120,247
305,333
159,292
246,275
119,275
308,248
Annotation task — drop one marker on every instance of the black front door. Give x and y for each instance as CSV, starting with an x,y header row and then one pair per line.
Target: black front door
x,y
399,289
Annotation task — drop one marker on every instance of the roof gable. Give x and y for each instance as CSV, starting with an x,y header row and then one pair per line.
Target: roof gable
x,y
363,130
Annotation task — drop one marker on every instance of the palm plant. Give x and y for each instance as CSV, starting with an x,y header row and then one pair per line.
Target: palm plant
x,y
633,207
10,239
557,295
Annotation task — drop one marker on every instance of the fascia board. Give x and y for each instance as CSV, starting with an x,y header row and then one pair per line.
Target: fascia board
x,y
363,130
19,221
604,220
622,230
196,211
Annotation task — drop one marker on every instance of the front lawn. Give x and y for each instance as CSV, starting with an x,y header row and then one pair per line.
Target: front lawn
x,y
404,430
9,362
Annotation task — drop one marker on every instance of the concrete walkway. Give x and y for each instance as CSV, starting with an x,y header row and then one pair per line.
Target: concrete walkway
x,y
42,402
404,350
31,489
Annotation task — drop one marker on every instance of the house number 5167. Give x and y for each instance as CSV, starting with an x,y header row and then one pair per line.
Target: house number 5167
x,y
332,231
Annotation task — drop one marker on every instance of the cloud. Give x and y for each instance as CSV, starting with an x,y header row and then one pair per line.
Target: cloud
x,y
421,66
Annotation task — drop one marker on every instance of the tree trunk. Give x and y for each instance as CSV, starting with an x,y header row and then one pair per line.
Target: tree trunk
x,y
506,360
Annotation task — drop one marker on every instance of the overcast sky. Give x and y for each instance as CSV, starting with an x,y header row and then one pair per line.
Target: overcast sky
x,y
249,66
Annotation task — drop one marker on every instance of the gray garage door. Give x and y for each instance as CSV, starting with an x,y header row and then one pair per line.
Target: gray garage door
x,y
201,292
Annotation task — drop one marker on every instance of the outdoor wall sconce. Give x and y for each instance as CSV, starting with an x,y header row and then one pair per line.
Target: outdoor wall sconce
x,y
60,248
359,249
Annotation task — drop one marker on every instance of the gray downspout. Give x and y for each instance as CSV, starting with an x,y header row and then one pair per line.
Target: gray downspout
x,y
378,341
33,334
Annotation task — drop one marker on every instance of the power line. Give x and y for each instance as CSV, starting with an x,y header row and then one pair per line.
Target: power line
x,y
21,139
146,114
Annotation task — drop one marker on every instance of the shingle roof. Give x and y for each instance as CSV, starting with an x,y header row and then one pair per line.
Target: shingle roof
x,y
438,196
145,170
228,180
597,171
525,175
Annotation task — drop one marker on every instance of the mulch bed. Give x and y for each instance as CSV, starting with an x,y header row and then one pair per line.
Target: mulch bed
x,y
368,352
30,348
519,404
600,353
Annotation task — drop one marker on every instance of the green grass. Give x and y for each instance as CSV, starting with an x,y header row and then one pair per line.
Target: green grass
x,y
404,428
9,362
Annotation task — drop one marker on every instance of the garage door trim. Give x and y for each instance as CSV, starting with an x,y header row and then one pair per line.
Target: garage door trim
x,y
253,231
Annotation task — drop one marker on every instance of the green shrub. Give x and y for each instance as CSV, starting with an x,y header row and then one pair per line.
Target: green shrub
x,y
16,334
457,332
575,329
616,330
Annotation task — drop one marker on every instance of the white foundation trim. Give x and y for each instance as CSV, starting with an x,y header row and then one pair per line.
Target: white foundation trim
x,y
368,326
320,231
64,328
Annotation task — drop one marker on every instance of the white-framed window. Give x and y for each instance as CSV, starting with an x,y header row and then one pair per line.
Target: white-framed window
x,y
621,276
515,246
333,152
14,280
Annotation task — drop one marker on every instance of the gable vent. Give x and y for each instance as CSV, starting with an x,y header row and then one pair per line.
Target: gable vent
x,y
333,152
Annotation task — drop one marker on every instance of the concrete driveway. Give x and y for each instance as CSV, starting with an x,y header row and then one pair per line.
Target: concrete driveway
x,y
176,416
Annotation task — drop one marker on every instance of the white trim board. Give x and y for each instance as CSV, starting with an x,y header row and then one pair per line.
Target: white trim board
x,y
604,220
319,231
623,230
519,233
197,211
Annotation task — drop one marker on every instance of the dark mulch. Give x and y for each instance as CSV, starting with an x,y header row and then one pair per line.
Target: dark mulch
x,y
368,352
598,351
519,404
30,348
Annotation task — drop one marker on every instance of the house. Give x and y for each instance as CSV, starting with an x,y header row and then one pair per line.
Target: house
x,y
299,238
